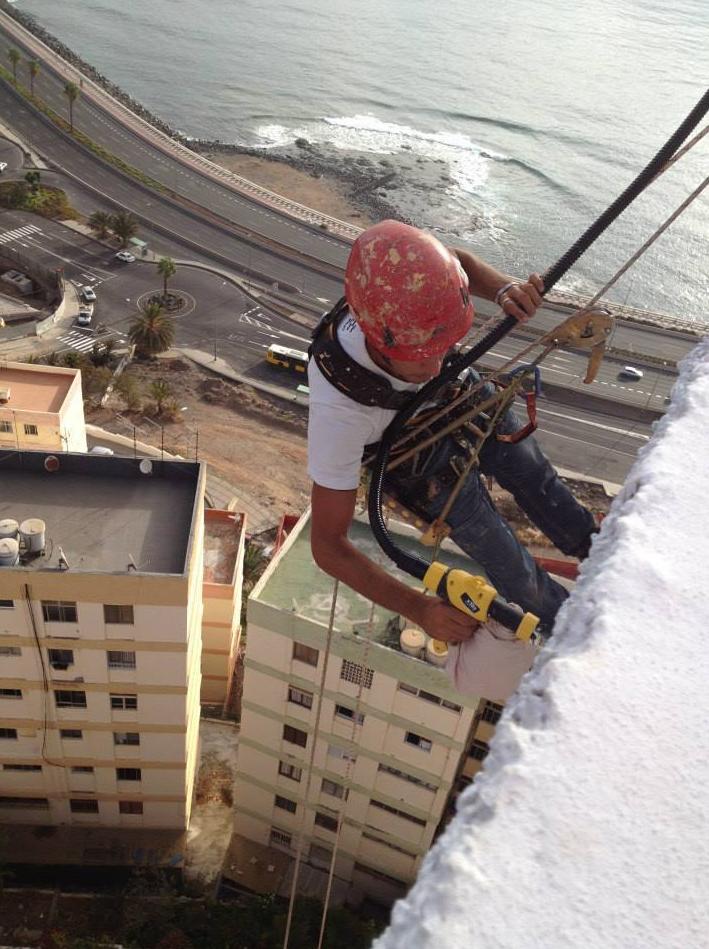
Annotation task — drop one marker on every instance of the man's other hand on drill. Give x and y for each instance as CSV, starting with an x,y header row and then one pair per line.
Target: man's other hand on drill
x,y
443,621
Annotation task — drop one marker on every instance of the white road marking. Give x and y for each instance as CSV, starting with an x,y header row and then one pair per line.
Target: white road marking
x,y
582,441
607,428
252,321
301,339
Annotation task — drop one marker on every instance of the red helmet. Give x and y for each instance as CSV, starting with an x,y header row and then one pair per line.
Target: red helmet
x,y
407,291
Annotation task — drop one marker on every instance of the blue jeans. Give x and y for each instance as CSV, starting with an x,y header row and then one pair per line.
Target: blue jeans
x,y
478,528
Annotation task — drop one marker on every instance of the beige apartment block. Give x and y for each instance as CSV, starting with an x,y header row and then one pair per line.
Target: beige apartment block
x,y
41,408
100,620
224,536
390,742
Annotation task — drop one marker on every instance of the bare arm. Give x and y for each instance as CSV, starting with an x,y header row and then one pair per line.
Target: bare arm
x,y
520,301
332,513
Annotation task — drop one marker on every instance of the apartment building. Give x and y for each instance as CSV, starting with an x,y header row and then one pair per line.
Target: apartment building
x,y
41,408
224,537
391,744
100,617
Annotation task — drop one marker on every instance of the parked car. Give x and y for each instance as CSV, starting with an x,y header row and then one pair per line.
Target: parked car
x,y
630,372
85,314
3,166
101,450
88,294
125,256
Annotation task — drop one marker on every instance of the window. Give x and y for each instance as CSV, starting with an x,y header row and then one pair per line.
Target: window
x,y
395,810
358,675
22,767
285,803
117,614
295,735
120,660
324,820
429,697
59,611
9,733
333,788
82,769
319,854
478,750
386,843
74,734
305,654
378,875
83,807
128,774
425,744
10,651
336,752
61,658
10,693
126,738
491,713
5,426
299,697
36,803
130,807
69,699
7,604
407,777
290,771
343,712
124,702
31,429
279,838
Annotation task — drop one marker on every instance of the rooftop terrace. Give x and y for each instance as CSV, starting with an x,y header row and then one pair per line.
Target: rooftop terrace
x,y
222,535
103,511
35,389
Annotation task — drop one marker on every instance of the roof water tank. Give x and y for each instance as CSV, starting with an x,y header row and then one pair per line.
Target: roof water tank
x,y
9,552
436,652
8,527
412,641
32,533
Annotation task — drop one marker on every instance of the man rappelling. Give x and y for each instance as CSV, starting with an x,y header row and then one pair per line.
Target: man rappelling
x,y
407,302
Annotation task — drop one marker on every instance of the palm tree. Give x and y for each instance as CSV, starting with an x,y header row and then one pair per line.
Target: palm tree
x,y
124,225
166,269
33,69
153,331
100,222
14,58
161,392
71,91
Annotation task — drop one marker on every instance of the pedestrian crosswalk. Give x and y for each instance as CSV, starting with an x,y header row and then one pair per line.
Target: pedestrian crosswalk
x,y
75,339
25,231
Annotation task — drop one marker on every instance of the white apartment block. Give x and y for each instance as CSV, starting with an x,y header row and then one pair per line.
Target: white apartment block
x,y
100,619
393,744
41,408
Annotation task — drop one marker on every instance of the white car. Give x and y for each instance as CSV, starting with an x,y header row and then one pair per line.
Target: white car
x,y
630,372
125,256
101,450
86,311
88,294
3,166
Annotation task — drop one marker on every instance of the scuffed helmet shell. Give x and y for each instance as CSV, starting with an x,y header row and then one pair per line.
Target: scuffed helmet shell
x,y
407,291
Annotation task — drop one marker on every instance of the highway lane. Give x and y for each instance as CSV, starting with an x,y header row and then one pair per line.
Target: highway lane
x,y
102,127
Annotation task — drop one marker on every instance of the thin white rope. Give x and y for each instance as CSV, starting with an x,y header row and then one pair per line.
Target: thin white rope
x,y
347,776
316,730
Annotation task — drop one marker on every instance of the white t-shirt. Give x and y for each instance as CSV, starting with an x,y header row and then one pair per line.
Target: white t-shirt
x,y
338,427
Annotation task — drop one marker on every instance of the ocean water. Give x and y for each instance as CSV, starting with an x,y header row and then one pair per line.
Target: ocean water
x,y
538,112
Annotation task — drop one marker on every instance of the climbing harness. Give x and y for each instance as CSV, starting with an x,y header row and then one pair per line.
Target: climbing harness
x,y
588,326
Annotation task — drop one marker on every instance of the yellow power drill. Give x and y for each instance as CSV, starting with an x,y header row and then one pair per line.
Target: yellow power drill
x,y
478,598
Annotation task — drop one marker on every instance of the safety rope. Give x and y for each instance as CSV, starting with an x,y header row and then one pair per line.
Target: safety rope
x,y
299,850
347,776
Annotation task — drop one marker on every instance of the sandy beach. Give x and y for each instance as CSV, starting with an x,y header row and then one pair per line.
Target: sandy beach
x,y
324,194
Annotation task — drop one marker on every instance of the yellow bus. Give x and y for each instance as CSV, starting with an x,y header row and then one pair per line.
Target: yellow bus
x,y
286,358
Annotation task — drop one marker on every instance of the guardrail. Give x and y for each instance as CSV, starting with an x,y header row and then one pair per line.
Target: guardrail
x,y
169,145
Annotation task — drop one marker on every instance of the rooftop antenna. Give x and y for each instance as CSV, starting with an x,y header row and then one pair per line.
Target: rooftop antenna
x,y
61,559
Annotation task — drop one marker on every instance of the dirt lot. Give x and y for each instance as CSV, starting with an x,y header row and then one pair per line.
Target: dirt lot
x,y
255,443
